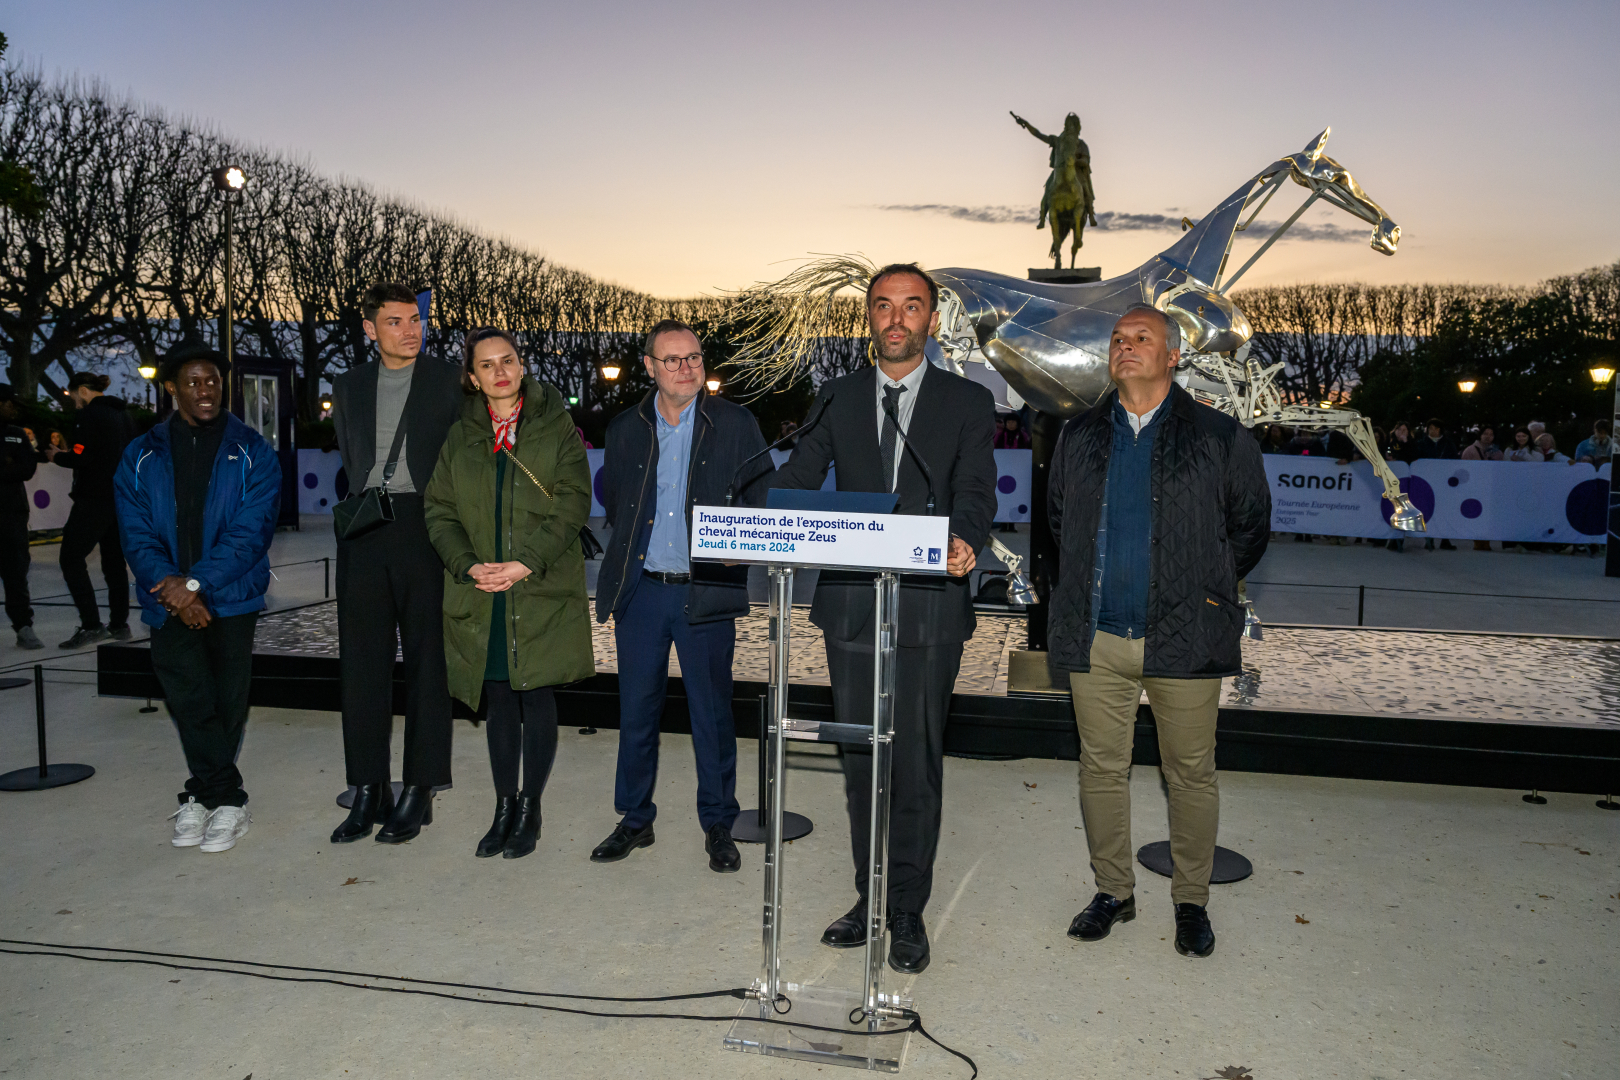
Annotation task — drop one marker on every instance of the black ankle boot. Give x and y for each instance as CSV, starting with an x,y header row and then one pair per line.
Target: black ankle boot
x,y
414,810
495,839
527,829
372,805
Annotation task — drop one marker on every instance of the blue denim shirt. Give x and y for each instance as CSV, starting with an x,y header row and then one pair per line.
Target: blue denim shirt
x,y
667,550
1127,544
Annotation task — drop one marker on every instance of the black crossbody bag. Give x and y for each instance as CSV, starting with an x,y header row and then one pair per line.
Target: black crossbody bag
x,y
372,508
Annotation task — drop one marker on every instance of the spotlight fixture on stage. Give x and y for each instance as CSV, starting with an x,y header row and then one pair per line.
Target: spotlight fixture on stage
x,y
713,385
1601,373
610,372
229,180
1467,385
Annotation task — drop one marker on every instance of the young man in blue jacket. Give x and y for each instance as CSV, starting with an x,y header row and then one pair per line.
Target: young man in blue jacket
x,y
198,497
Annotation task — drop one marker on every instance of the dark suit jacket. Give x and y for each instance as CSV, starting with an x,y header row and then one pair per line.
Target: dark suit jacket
x,y
433,405
951,427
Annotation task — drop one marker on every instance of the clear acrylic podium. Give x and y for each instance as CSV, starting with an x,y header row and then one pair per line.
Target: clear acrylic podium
x,y
865,1027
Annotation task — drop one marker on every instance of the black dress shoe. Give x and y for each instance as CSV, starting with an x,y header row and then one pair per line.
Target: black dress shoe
x,y
527,829
847,931
621,842
1100,916
908,942
414,810
372,805
724,858
1194,935
500,829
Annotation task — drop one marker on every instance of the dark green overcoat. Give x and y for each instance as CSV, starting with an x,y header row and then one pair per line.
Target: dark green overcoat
x,y
548,628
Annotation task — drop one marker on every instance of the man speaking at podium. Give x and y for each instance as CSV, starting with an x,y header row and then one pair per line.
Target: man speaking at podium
x,y
877,424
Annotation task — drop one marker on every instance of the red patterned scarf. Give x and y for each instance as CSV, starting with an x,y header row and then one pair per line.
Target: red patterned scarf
x,y
506,430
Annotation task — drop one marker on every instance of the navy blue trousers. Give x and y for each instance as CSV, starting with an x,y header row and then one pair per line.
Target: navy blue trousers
x,y
655,619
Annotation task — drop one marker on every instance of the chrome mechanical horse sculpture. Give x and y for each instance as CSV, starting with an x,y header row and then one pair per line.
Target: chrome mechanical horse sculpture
x,y
1050,342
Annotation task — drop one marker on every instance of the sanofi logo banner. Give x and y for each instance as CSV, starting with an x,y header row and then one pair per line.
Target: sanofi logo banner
x,y
853,541
1313,495
1508,501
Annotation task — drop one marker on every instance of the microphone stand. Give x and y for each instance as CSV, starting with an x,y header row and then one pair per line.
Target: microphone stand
x,y
928,474
731,488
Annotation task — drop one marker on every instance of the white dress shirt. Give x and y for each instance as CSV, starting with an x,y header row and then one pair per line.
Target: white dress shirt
x,y
1140,422
902,411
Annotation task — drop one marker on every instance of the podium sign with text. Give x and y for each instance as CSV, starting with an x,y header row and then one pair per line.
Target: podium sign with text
x,y
820,538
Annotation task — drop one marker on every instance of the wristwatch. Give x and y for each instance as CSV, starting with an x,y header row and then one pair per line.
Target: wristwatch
x,y
193,585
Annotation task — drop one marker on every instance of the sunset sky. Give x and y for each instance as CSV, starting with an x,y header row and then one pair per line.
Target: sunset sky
x,y
685,148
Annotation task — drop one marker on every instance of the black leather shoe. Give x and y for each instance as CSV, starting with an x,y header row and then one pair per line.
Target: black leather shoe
x,y
500,829
1100,916
847,931
372,805
724,858
908,942
622,842
414,810
1194,935
527,829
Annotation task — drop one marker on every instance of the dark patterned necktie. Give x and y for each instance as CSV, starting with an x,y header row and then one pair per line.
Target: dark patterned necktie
x,y
891,434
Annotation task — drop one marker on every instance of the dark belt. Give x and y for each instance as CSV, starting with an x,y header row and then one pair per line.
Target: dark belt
x,y
669,579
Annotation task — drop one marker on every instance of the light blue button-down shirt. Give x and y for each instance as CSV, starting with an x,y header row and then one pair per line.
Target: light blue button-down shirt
x,y
667,551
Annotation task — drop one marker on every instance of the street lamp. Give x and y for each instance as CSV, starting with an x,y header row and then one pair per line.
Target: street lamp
x,y
229,180
1467,385
610,372
149,373
1601,373
713,385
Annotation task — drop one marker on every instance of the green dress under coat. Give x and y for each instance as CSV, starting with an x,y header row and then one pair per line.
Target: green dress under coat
x,y
546,616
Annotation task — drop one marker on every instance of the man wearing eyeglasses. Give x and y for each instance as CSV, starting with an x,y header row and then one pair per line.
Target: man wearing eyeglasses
x,y
681,446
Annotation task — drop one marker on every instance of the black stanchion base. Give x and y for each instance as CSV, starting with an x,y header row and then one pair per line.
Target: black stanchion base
x,y
1535,798
1229,865
747,829
12,684
1607,804
55,776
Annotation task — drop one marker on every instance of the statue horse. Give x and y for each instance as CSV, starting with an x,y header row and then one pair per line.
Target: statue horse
x,y
1050,342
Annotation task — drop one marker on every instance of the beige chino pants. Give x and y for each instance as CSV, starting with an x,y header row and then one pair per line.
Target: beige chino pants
x,y
1184,710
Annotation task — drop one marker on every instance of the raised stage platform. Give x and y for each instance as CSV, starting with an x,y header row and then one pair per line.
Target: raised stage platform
x,y
1492,710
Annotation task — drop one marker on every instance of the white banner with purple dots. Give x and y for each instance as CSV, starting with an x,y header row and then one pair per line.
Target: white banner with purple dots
x,y
1462,500
1515,502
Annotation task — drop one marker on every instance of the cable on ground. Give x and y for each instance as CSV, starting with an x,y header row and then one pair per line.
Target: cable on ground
x,y
320,975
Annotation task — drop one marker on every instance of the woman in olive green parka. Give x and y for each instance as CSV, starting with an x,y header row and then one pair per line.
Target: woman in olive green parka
x,y
504,508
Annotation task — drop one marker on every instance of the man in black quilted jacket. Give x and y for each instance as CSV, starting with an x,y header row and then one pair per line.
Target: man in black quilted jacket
x,y
1159,506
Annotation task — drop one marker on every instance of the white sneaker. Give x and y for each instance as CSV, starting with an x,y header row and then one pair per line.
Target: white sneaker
x,y
226,825
189,823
